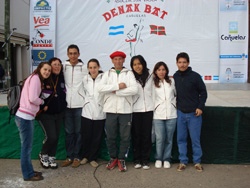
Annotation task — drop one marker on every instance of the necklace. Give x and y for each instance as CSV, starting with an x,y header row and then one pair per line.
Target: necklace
x,y
54,86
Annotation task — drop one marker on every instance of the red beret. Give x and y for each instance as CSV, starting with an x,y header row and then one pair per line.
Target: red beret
x,y
117,53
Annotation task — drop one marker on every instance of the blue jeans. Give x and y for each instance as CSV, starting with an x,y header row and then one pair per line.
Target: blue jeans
x,y
73,138
26,131
164,132
189,122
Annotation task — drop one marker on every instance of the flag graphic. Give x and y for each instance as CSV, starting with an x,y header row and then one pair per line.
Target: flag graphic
x,y
157,30
116,30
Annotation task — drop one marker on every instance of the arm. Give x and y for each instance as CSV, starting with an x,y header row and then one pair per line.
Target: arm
x,y
35,90
104,87
129,90
202,94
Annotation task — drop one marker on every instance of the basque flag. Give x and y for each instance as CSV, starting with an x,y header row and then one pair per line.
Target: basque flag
x,y
157,30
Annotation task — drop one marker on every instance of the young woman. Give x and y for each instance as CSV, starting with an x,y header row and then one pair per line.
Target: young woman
x,y
93,117
29,105
52,114
165,114
142,116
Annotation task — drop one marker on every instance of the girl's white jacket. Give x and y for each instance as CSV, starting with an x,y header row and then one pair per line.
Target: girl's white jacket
x,y
120,101
143,100
73,76
165,101
93,101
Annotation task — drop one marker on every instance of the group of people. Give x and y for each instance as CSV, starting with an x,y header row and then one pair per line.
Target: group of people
x,y
126,103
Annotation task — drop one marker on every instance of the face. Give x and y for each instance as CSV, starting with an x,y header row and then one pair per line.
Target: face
x,y
118,62
182,64
45,71
56,67
137,66
93,69
73,55
161,72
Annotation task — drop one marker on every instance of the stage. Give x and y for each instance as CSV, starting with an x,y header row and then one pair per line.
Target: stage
x,y
225,136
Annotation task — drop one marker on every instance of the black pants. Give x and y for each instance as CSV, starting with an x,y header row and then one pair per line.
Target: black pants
x,y
141,136
51,125
92,131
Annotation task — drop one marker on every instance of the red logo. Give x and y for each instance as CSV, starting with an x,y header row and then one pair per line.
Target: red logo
x,y
208,77
40,22
157,30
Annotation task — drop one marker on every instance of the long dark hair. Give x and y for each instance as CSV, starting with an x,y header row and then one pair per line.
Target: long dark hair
x,y
156,78
145,72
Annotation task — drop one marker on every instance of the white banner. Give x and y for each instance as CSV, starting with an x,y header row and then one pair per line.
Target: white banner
x,y
42,30
155,29
233,30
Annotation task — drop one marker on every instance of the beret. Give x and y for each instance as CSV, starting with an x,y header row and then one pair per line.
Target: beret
x,y
117,53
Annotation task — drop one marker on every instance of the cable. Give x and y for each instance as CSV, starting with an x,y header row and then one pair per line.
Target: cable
x,y
95,176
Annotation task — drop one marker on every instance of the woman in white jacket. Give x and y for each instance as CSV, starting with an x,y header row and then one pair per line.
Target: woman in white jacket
x,y
93,117
142,116
165,114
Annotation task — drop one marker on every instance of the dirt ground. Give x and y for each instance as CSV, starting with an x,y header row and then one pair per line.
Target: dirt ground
x,y
213,176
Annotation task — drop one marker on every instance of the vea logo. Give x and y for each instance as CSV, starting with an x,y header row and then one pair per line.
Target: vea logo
x,y
41,21
42,5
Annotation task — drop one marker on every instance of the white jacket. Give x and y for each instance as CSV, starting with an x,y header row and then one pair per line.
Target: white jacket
x,y
165,101
121,101
93,101
73,76
143,100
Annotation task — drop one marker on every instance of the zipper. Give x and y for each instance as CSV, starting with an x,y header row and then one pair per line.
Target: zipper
x,y
144,99
72,81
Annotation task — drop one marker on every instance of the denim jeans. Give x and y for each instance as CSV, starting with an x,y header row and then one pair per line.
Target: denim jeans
x,y
26,131
189,122
73,138
164,132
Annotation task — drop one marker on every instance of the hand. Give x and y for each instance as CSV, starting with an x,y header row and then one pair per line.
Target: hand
x,y
198,112
45,108
122,85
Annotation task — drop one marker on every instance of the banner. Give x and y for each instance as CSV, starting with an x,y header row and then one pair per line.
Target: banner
x,y
156,29
42,30
233,32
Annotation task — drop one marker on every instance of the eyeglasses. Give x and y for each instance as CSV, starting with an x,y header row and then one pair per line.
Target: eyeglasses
x,y
71,53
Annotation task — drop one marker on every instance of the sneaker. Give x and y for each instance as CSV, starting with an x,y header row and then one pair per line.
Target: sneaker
x,y
67,162
166,164
137,165
52,163
145,166
94,164
44,160
198,167
84,161
76,163
122,165
181,167
158,164
112,164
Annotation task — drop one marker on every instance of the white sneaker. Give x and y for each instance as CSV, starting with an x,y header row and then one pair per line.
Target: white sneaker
x,y
137,165
52,163
158,164
167,164
145,166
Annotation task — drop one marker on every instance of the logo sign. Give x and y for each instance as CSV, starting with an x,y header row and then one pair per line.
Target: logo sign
x,y
41,21
42,5
233,27
39,56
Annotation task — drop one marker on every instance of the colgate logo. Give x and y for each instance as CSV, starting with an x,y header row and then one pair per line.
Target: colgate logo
x,y
40,22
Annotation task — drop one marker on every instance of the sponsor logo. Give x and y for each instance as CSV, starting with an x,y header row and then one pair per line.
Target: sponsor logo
x,y
157,30
41,55
233,27
233,38
42,5
207,77
116,30
41,22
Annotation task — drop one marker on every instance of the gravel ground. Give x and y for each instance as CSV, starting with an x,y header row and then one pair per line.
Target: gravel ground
x,y
213,176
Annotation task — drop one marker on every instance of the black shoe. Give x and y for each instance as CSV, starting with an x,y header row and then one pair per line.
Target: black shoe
x,y
34,178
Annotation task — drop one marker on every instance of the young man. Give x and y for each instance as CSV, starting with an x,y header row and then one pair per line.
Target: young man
x,y
74,70
191,98
119,85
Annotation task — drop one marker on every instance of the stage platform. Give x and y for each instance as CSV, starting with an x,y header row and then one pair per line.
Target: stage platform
x,y
225,135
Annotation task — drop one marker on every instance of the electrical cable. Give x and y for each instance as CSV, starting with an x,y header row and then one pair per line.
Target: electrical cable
x,y
95,176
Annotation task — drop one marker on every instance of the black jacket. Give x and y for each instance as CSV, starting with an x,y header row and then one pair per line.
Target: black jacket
x,y
191,91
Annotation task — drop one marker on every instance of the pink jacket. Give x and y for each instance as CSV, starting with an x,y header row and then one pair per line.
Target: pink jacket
x,y
30,101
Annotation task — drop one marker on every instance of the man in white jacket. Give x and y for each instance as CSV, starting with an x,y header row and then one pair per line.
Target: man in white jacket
x,y
74,70
119,85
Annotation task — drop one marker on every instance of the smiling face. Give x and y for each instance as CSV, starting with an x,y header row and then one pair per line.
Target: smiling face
x,y
118,62
161,72
137,66
56,67
73,55
45,71
182,64
93,69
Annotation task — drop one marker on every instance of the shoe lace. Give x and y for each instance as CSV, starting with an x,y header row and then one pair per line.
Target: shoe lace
x,y
52,159
122,163
110,162
45,158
